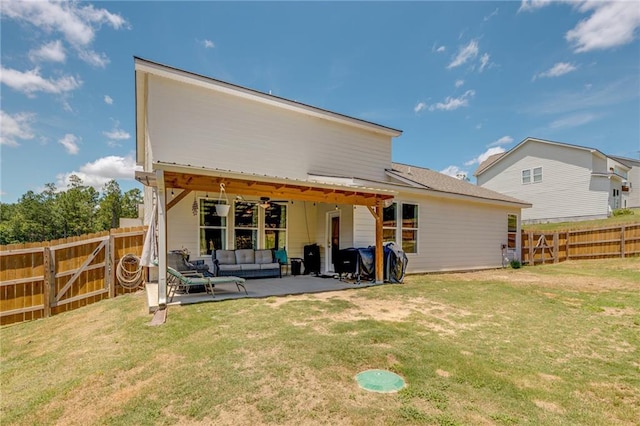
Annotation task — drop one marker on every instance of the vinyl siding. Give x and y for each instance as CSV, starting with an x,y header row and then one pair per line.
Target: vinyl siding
x,y
567,189
452,235
230,133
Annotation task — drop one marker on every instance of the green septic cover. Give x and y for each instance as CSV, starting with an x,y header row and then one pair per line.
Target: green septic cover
x,y
380,381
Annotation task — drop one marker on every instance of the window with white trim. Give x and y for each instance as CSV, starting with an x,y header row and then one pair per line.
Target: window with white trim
x,y
532,175
512,230
212,228
390,223
537,174
407,231
275,226
245,230
410,228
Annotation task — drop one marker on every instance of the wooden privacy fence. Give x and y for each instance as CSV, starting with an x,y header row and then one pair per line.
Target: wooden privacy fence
x,y
551,247
42,279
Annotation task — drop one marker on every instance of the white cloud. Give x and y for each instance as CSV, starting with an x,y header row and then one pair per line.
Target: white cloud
x,y
574,120
16,126
528,5
70,143
101,171
208,44
610,24
561,68
49,52
459,83
484,61
108,100
465,53
454,171
419,107
451,104
505,140
30,82
441,49
99,60
491,15
76,21
488,153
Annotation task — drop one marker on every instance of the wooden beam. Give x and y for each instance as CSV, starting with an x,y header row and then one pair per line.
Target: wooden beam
x,y
178,198
273,189
377,215
162,239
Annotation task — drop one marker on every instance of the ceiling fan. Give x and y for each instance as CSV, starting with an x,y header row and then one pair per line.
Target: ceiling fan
x,y
265,202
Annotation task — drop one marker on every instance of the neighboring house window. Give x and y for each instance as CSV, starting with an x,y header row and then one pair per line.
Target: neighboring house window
x,y
410,228
389,223
246,225
212,228
527,175
537,174
275,226
512,230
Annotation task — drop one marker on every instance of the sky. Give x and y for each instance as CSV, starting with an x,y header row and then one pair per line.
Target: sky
x,y
462,80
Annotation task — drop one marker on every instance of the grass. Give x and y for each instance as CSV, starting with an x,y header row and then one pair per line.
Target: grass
x,y
586,224
551,344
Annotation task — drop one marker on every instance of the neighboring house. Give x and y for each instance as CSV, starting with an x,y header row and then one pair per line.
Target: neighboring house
x,y
630,194
563,182
296,175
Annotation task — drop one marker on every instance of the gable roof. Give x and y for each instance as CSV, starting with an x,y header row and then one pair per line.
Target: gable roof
x,y
487,164
436,181
629,162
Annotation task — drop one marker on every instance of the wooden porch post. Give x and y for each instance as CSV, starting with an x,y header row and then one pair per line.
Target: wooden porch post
x,y
161,205
379,249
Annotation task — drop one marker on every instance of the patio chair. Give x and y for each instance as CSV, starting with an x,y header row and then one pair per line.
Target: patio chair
x,y
177,279
281,257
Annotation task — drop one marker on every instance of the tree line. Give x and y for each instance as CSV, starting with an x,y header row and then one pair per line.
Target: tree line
x,y
78,210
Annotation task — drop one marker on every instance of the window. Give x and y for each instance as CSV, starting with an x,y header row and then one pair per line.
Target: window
x,y
537,174
527,175
212,228
389,223
512,230
246,225
410,228
275,226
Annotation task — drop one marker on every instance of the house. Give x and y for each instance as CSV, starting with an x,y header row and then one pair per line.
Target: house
x,y
630,195
564,182
294,175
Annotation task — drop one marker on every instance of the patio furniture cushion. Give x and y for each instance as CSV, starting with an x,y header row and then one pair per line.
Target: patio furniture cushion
x,y
244,256
273,265
226,257
249,266
264,256
224,267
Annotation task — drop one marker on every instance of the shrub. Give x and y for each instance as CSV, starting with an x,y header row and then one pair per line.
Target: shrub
x,y
515,264
622,212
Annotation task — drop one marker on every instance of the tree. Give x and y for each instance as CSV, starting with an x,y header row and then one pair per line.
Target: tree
x,y
110,207
77,208
130,202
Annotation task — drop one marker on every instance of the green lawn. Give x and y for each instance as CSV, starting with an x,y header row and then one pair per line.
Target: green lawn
x,y
586,224
552,344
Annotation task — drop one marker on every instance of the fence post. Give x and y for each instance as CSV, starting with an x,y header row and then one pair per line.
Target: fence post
x,y
622,247
531,251
48,281
556,248
110,275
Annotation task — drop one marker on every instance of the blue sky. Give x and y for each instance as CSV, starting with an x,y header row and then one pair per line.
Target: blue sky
x,y
463,80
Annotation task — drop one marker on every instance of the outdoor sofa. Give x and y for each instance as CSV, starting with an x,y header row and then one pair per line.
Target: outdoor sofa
x,y
245,263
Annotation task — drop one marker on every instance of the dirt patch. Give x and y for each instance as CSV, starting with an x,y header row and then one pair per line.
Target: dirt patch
x,y
548,406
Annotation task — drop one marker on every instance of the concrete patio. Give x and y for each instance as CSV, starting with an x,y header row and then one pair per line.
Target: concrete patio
x,y
259,288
